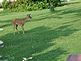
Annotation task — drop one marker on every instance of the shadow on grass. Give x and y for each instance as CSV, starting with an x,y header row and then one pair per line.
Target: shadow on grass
x,y
68,11
1,26
36,41
49,16
72,21
5,23
51,55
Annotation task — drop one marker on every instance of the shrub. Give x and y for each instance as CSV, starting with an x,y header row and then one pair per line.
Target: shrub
x,y
29,5
24,5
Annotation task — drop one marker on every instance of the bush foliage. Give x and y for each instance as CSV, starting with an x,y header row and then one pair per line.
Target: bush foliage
x,y
28,5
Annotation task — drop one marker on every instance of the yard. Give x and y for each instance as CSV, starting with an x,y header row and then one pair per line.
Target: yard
x,y
48,36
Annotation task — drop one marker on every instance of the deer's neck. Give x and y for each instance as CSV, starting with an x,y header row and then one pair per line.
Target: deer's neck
x,y
24,18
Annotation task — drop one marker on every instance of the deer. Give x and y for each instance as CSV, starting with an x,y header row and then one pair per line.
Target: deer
x,y
20,22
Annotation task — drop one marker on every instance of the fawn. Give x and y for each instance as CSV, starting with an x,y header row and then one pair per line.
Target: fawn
x,y
20,22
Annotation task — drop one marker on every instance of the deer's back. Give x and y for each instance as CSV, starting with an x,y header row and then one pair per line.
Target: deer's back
x,y
18,22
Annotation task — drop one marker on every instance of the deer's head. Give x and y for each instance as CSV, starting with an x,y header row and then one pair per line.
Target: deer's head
x,y
29,16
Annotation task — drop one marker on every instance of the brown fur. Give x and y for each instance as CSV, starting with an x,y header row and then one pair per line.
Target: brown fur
x,y
20,22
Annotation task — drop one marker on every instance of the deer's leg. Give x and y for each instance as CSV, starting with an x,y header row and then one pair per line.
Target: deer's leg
x,y
16,28
22,29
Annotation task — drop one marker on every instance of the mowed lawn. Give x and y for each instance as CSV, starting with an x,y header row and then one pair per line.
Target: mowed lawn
x,y
48,36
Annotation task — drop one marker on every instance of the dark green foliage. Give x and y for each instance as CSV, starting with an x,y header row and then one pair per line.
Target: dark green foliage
x,y
29,5
53,4
5,4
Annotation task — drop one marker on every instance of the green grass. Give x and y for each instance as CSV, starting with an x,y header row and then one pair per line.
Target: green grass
x,y
48,36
